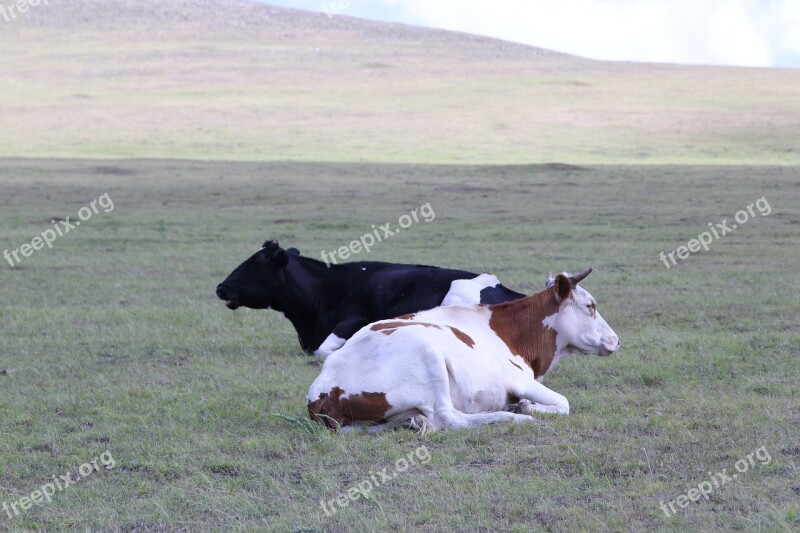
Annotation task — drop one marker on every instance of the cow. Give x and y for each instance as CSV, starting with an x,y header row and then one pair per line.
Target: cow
x,y
460,366
327,304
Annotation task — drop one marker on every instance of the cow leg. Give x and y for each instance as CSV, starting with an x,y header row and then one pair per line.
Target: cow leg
x,y
444,414
330,345
457,419
524,407
341,332
544,400
447,416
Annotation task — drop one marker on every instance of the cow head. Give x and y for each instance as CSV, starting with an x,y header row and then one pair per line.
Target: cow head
x,y
255,282
578,325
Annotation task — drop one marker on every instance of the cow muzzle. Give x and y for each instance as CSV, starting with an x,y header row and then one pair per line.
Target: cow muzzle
x,y
609,345
229,295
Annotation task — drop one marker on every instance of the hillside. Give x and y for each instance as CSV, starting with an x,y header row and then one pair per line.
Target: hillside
x,y
242,81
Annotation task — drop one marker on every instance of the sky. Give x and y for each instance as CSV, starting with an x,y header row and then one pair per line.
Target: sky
x,y
753,33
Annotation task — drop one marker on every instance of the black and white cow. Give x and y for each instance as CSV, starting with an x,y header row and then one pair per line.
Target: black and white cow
x,y
328,304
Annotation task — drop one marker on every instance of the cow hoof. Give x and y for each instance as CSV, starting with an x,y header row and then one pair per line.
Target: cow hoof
x,y
524,407
420,424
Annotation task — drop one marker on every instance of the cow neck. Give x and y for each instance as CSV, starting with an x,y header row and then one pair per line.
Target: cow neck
x,y
304,277
520,325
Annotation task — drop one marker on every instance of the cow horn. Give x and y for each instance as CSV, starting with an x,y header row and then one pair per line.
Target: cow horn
x,y
580,277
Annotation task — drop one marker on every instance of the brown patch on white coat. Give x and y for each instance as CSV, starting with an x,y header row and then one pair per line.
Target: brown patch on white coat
x,y
332,408
387,328
463,337
521,324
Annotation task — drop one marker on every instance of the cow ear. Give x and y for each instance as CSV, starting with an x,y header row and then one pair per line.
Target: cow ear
x,y
281,258
293,251
563,287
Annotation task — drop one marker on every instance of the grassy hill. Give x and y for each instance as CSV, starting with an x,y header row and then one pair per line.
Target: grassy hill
x,y
242,81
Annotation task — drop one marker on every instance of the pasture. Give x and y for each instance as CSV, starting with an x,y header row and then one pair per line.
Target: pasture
x,y
113,341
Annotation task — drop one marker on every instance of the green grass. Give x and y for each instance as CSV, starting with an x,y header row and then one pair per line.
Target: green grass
x,y
114,340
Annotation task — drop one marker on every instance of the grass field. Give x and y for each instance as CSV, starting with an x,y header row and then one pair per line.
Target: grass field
x,y
113,341
214,125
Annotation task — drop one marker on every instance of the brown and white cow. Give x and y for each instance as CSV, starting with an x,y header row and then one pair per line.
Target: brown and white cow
x,y
461,365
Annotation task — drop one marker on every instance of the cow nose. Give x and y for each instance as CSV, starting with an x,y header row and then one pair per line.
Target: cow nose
x,y
221,291
611,343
